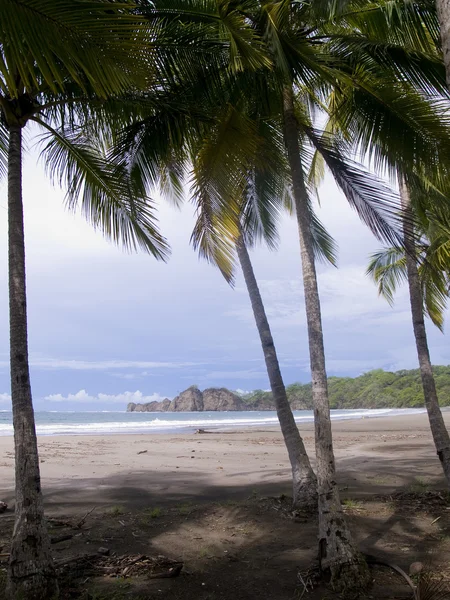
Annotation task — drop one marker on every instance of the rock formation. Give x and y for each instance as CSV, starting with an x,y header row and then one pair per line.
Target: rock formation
x,y
192,399
188,401
222,399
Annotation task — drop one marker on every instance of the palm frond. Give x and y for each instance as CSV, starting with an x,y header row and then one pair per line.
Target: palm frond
x,y
387,268
100,45
108,197
376,204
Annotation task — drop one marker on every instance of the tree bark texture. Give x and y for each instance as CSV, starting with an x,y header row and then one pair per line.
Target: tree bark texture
x,y
304,482
438,429
31,574
443,11
338,555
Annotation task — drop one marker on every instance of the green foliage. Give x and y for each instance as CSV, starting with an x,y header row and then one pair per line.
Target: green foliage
x,y
375,389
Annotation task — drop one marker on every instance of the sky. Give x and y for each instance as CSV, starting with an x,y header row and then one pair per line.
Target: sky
x,y
107,327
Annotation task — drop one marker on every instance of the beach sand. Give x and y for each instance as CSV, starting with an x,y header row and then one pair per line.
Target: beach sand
x,y
203,498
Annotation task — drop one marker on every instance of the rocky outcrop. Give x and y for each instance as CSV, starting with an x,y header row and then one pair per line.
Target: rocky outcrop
x,y
222,399
193,400
188,401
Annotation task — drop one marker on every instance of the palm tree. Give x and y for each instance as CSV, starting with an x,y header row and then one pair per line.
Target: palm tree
x,y
309,57
443,10
304,482
302,51
59,61
426,269
414,148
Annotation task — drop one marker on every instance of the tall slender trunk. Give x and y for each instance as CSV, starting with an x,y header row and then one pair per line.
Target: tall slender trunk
x,y
338,555
438,429
304,482
31,573
443,11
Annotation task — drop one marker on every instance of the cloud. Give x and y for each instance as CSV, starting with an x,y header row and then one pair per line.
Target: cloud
x,y
125,397
244,374
104,365
5,398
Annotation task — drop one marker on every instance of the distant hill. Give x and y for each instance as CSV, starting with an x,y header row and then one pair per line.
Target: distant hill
x,y
375,389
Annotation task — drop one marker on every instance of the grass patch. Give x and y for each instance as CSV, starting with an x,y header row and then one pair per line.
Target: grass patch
x,y
153,513
185,509
351,504
116,511
420,486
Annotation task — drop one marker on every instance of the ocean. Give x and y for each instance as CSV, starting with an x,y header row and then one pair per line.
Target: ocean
x,y
97,423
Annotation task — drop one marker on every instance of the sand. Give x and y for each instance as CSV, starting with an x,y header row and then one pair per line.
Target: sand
x,y
212,501
374,455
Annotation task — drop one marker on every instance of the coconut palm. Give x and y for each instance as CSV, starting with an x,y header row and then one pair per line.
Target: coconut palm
x,y
64,66
415,151
303,72
425,266
310,55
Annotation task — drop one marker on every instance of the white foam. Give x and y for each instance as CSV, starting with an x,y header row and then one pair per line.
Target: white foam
x,y
195,421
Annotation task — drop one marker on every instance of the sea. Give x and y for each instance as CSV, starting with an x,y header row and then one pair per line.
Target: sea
x,y
104,423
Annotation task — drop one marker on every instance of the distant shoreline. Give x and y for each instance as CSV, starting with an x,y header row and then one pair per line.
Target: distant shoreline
x,y
116,423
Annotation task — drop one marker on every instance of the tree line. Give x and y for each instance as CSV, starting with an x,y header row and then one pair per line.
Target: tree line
x,y
240,107
374,389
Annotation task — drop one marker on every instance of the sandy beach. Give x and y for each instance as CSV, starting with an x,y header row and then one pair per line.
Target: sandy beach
x,y
375,455
212,501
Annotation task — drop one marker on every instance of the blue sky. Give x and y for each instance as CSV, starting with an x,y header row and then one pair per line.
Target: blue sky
x,y
108,327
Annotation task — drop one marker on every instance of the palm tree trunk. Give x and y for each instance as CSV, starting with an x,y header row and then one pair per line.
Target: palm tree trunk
x,y
31,573
438,429
338,555
443,11
304,482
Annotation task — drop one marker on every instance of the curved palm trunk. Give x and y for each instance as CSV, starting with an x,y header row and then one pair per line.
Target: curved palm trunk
x,y
438,429
443,10
304,482
31,574
337,553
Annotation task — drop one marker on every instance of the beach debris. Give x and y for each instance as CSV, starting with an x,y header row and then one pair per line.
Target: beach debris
x,y
142,451
153,567
104,551
435,520
202,431
3,507
79,524
60,538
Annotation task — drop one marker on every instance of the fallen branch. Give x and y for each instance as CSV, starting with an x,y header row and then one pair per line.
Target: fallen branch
x,y
173,572
60,538
82,521
374,560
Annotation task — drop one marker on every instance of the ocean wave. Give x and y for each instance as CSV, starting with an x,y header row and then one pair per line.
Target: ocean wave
x,y
206,420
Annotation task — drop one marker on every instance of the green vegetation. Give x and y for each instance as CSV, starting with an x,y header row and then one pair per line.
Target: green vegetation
x,y
375,389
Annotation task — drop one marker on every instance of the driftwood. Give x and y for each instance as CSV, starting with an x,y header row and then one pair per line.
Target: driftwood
x,y
70,524
60,538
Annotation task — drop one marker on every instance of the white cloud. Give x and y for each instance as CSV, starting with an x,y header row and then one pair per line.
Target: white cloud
x,y
5,397
125,397
244,374
104,365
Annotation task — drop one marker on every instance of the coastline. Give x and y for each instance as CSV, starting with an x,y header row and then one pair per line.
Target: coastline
x,y
143,423
383,453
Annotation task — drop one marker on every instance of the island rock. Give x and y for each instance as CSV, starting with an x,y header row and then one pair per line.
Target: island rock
x,y
188,401
222,399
